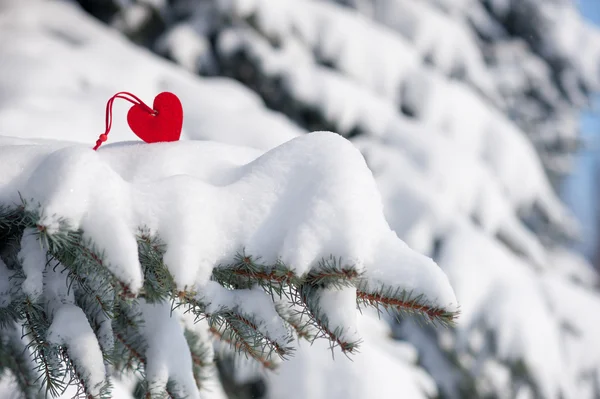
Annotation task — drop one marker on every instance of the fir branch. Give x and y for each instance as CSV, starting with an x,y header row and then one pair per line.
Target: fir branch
x,y
80,256
15,358
46,357
240,346
401,301
99,319
280,281
102,297
244,330
202,356
134,360
12,218
92,291
10,314
172,390
245,271
245,327
77,378
320,321
158,281
13,312
129,342
240,322
146,391
12,226
294,317
333,273
83,259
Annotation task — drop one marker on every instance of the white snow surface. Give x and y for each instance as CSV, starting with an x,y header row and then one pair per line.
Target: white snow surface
x,y
167,355
33,259
341,319
70,327
322,374
301,202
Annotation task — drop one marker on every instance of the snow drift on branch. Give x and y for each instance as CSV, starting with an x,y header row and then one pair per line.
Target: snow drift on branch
x,y
298,203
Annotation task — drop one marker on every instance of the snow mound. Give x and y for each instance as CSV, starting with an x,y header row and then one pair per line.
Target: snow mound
x,y
303,201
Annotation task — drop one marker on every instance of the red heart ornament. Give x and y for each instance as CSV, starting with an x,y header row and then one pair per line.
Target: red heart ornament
x,y
162,125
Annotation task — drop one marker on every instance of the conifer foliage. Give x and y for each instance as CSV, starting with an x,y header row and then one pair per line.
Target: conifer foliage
x,y
75,311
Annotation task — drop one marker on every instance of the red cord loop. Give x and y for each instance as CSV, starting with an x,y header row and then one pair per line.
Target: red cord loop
x,y
108,119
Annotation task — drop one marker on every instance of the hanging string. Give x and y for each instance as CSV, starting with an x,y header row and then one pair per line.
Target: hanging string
x,y
108,118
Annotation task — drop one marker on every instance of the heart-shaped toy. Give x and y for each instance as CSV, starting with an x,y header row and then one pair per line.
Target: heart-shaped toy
x,y
162,125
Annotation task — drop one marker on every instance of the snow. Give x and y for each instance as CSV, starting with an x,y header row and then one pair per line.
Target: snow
x,y
167,354
489,298
559,34
56,289
440,104
33,260
315,373
346,105
454,173
135,17
571,38
338,36
350,106
446,43
186,47
474,129
70,327
54,90
341,319
209,106
206,208
518,71
573,267
254,302
449,43
475,126
575,310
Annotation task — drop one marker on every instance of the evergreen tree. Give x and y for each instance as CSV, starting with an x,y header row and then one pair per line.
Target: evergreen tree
x,y
94,298
466,113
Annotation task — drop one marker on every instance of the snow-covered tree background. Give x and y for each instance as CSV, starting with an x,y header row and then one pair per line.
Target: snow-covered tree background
x,y
466,112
